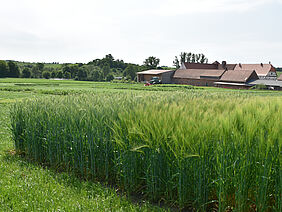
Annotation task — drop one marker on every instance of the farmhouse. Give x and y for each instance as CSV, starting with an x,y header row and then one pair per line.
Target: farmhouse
x,y
164,75
237,79
264,71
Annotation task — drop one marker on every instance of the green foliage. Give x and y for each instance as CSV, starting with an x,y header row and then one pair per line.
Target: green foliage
x,y
200,149
53,74
40,66
106,70
96,75
109,77
4,69
46,74
190,58
36,73
260,87
26,73
109,60
67,75
152,62
82,74
14,70
96,70
176,62
130,72
279,71
72,69
60,74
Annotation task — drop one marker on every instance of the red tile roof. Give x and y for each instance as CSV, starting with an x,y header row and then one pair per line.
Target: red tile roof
x,y
200,66
198,73
261,69
215,65
238,76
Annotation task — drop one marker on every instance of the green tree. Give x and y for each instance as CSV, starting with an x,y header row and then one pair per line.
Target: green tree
x,y
14,70
46,74
26,73
176,62
59,74
53,74
109,77
40,66
106,70
4,69
67,75
35,72
72,69
152,62
82,74
96,75
130,71
185,57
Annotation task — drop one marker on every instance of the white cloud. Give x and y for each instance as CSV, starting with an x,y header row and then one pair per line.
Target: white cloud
x,y
81,30
181,7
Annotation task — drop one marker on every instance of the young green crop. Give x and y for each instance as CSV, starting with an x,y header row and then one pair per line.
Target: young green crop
x,y
198,149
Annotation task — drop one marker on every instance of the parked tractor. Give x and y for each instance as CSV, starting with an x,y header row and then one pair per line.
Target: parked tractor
x,y
155,80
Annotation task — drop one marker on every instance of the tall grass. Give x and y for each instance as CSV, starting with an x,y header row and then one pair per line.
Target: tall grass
x,y
209,151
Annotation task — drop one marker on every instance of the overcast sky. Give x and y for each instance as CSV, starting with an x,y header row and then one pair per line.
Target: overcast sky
x,y
247,31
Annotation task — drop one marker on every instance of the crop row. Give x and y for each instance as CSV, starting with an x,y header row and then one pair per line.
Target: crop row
x,y
195,150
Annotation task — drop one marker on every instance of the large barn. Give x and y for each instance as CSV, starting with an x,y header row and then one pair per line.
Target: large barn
x,y
197,77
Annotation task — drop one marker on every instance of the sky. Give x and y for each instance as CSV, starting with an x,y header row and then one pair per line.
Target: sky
x,y
237,31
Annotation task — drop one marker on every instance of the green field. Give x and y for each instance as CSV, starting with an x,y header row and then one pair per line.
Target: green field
x,y
182,146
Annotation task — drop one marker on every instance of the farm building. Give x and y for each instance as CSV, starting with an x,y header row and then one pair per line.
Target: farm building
x,y
270,84
223,74
197,77
264,71
215,65
164,75
240,76
237,79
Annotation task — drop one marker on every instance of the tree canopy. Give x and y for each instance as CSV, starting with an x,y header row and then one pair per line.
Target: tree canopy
x,y
151,62
14,70
4,69
188,57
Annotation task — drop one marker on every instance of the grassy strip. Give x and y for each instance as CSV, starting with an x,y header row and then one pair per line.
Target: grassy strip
x,y
205,150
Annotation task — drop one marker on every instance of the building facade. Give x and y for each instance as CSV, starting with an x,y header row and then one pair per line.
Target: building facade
x,y
164,75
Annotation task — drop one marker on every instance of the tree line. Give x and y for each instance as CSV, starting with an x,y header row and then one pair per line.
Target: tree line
x,y
105,69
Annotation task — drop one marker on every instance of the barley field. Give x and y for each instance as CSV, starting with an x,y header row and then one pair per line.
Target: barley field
x,y
207,151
